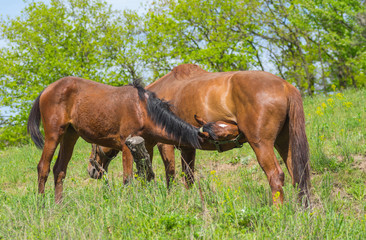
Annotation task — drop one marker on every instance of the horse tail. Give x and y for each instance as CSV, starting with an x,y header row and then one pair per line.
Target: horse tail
x,y
299,144
161,114
34,121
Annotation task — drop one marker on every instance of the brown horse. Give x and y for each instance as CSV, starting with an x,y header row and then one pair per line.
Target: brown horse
x,y
73,107
267,110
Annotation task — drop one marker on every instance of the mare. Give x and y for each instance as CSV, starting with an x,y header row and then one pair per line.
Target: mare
x,y
74,107
267,111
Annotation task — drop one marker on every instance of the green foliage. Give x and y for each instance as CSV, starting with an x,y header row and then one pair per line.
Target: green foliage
x,y
202,32
315,43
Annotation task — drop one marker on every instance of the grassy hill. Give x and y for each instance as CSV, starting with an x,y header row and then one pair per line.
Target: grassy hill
x,y
236,197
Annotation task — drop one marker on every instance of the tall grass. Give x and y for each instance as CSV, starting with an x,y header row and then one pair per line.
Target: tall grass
x,y
235,202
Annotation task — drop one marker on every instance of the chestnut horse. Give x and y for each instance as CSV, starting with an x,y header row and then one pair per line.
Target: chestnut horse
x,y
267,110
73,107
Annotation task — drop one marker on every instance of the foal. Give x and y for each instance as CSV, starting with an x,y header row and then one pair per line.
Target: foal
x,y
74,107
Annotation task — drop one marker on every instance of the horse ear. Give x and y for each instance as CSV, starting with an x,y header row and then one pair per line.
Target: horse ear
x,y
204,135
200,120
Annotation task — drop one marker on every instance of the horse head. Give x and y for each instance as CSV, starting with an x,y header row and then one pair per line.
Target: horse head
x,y
99,160
220,130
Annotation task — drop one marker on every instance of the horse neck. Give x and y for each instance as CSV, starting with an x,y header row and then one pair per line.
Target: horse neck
x,y
164,123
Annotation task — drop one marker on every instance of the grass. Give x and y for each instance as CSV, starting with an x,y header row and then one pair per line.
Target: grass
x,y
236,198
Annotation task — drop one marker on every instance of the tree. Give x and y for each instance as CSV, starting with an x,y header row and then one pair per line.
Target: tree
x,y
204,32
72,37
340,30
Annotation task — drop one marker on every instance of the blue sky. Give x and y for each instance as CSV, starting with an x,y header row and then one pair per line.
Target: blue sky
x,y
13,8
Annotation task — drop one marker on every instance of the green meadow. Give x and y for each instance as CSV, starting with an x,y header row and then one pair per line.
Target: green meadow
x,y
230,200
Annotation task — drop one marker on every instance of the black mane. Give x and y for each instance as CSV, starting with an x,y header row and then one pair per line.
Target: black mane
x,y
160,112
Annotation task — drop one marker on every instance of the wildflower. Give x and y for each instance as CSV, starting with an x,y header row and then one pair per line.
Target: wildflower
x,y
324,105
347,104
333,87
243,210
339,96
319,111
330,102
276,196
322,137
213,172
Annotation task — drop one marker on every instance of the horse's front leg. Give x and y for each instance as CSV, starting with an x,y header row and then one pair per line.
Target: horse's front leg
x,y
127,162
188,157
168,157
149,145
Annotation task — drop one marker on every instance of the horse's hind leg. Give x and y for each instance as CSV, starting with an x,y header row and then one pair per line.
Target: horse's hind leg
x,y
59,170
267,160
282,145
261,138
43,167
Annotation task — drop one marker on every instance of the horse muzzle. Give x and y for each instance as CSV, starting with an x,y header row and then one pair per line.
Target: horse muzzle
x,y
94,171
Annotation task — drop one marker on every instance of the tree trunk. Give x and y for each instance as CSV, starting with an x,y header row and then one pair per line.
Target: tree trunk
x,y
141,157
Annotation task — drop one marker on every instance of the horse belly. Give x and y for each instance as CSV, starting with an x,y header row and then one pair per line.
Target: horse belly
x,y
95,124
212,103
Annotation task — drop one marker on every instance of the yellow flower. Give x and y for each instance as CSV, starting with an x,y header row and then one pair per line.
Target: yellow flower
x,y
319,111
330,102
213,172
276,196
322,137
339,96
333,87
347,104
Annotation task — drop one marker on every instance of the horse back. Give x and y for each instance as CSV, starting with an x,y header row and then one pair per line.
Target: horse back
x,y
92,109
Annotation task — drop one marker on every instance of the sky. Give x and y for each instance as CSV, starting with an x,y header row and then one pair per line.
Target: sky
x,y
13,8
